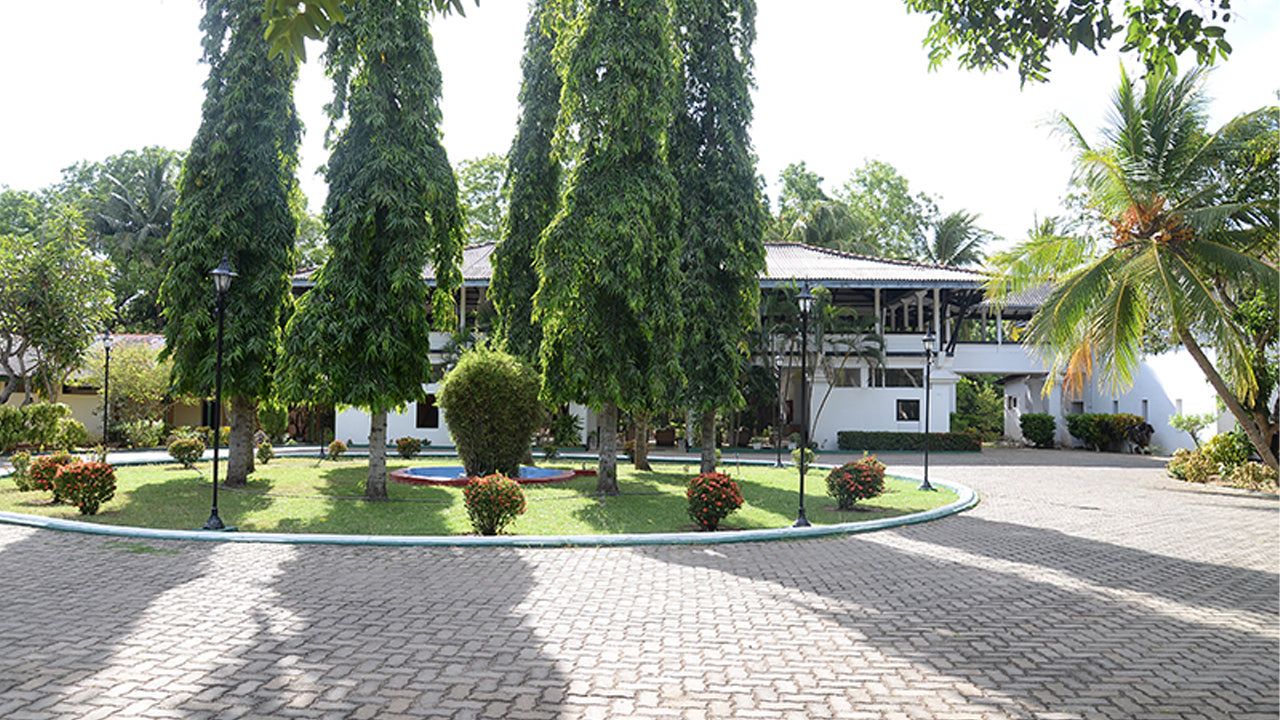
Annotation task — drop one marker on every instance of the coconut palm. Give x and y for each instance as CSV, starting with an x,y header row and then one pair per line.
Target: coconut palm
x,y
1180,244
957,241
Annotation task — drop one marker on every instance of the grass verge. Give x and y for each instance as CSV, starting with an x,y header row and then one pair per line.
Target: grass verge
x,y
303,495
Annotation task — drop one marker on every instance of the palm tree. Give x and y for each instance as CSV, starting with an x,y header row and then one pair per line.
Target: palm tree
x,y
957,241
1180,247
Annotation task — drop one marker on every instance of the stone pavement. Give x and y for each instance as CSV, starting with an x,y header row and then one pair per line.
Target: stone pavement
x,y
1083,586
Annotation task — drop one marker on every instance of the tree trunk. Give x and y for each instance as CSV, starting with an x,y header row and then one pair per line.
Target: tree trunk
x,y
607,433
375,487
243,419
709,440
1257,436
642,441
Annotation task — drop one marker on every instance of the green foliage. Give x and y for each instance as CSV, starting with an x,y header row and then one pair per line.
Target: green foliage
x,y
1039,429
888,220
71,434
1102,431
482,197
1253,476
234,197
409,447
142,433
265,453
989,34
493,502
957,241
43,470
139,383
41,423
21,474
566,428
803,457
712,497
1227,450
85,485
490,402
273,418
337,449
859,440
533,177
1192,465
290,21
1192,424
187,451
979,407
861,479
721,219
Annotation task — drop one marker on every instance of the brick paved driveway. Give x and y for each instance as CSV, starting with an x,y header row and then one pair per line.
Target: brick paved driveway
x,y
1094,590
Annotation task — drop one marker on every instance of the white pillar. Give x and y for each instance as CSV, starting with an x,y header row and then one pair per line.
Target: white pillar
x,y
879,313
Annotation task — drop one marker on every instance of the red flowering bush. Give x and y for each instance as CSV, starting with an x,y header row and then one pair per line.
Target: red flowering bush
x,y
43,469
493,502
86,485
712,496
408,447
336,449
859,480
187,451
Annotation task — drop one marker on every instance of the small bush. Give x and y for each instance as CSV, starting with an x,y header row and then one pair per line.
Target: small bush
x,y
12,428
712,496
273,418
1198,467
1039,429
1177,465
142,433
550,451
858,480
1253,476
336,449
44,468
1227,450
885,441
187,451
21,471
86,485
42,423
807,456
71,434
490,403
493,502
409,447
265,452
1104,432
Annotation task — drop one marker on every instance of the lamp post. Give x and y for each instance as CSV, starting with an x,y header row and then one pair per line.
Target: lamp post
x,y
221,283
928,365
805,299
107,341
777,440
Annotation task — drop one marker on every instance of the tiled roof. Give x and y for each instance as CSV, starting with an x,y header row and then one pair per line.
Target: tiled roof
x,y
1027,300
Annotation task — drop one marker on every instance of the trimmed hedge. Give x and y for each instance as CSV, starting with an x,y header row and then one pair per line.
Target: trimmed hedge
x,y
859,440
1039,429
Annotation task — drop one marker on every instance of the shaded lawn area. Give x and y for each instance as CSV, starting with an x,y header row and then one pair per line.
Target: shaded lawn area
x,y
304,495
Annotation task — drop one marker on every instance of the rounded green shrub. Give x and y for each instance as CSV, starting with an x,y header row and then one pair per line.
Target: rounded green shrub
x,y
71,434
861,479
712,496
492,502
1039,429
21,474
490,403
187,451
87,485
1227,450
1198,467
408,447
1253,476
265,452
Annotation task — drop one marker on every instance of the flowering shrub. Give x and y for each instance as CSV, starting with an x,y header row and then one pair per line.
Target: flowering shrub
x,y
493,502
1227,450
44,469
858,480
712,496
187,451
408,447
1192,465
86,485
21,474
265,452
336,449
1253,476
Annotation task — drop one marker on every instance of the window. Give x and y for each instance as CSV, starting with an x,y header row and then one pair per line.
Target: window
x,y
1146,409
846,377
1013,401
1115,407
428,413
908,410
900,377
1077,407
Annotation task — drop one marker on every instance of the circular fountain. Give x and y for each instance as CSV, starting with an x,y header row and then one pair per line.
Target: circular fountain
x,y
457,475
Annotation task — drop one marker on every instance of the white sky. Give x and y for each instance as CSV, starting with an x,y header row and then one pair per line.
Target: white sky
x,y
838,82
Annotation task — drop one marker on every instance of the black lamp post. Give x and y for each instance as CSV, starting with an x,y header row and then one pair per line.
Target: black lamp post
x,y
777,441
221,282
107,341
805,299
928,365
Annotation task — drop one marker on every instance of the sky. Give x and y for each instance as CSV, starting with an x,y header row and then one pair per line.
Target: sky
x,y
837,83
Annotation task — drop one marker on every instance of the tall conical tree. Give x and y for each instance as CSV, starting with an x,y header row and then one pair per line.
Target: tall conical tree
x,y
360,336
233,198
533,176
609,260
722,220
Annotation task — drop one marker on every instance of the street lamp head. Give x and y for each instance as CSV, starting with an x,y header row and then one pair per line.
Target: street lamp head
x,y
779,361
928,340
222,276
805,298
108,339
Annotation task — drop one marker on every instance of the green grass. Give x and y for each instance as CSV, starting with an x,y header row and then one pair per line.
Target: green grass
x,y
298,495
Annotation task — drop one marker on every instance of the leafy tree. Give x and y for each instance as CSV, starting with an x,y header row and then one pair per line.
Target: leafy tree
x,y
1185,240
721,219
610,258
534,185
358,336
957,241
139,382
990,34
21,211
483,197
234,198
289,21
890,220
54,298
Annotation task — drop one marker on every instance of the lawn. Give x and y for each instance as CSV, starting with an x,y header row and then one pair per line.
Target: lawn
x,y
304,495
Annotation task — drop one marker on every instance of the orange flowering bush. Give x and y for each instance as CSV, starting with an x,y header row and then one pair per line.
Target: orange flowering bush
x,y
336,449
712,496
493,502
44,468
86,485
859,480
